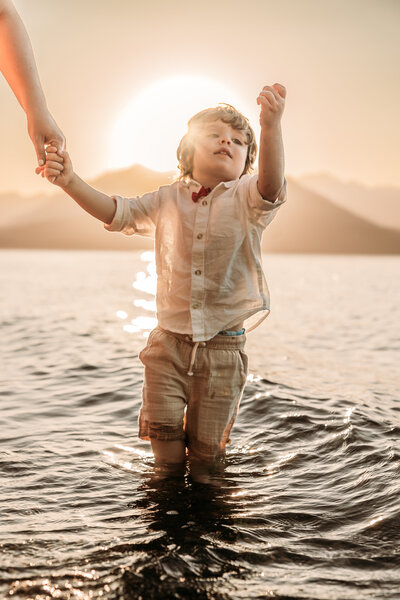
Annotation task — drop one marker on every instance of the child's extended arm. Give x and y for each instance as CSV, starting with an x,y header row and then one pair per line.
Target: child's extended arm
x,y
59,171
271,162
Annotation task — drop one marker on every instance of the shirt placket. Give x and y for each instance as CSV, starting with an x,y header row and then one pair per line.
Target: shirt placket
x,y
197,296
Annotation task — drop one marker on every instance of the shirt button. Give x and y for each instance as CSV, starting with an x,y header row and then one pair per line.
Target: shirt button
x,y
204,203
198,272
199,236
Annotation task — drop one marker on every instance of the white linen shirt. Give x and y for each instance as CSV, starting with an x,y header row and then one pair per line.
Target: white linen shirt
x,y
208,253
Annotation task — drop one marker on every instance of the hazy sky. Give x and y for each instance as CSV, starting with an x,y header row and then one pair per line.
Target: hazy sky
x,y
339,60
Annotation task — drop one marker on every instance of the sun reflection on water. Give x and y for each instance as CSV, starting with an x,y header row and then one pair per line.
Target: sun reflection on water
x,y
121,314
146,304
374,521
273,468
146,281
141,324
128,458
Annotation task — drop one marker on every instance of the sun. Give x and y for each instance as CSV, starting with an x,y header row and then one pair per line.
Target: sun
x,y
149,128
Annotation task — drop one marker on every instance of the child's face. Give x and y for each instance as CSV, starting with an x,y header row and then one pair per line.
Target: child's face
x,y
220,152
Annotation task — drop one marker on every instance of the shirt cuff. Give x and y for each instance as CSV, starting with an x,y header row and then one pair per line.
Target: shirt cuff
x,y
266,204
121,217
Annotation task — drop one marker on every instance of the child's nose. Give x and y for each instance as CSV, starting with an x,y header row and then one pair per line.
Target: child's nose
x,y
225,140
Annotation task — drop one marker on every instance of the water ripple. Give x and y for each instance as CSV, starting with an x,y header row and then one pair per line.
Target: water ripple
x,y
306,505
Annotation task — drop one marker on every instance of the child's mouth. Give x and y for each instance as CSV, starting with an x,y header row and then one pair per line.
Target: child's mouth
x,y
224,152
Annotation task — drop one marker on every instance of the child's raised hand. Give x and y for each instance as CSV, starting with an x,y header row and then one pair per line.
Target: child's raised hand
x,y
272,102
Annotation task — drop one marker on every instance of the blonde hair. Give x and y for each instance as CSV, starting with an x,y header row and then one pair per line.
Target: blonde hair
x,y
225,113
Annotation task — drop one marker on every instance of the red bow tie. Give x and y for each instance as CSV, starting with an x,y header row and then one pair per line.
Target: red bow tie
x,y
202,192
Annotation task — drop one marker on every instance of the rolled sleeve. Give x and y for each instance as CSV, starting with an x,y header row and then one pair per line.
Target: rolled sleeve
x,y
134,215
257,201
119,222
261,211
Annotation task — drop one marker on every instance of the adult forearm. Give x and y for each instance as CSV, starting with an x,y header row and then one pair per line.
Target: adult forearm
x,y
17,62
96,203
271,163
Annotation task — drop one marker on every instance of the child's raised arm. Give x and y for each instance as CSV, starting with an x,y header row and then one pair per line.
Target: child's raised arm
x,y
271,161
58,170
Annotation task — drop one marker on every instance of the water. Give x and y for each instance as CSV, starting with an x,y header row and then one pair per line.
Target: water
x,y
308,503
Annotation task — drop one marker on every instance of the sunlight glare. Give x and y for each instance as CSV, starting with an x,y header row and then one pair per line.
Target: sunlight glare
x,y
145,282
374,521
149,305
149,128
144,324
121,314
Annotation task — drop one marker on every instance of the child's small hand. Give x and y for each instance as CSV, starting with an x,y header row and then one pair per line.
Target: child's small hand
x,y
58,168
272,102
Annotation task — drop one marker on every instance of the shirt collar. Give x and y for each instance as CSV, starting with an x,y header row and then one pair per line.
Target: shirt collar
x,y
194,183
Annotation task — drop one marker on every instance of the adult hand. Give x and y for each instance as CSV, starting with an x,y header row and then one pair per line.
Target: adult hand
x,y
43,130
17,63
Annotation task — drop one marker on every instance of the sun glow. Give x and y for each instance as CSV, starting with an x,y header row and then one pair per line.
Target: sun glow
x,y
150,127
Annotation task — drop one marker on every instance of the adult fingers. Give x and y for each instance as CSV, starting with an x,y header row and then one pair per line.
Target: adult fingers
x,y
38,143
55,144
60,143
51,148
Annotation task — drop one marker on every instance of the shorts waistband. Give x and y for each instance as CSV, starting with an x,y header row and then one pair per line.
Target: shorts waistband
x,y
218,342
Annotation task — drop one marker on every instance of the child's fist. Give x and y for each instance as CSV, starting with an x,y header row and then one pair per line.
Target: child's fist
x,y
280,89
272,102
58,167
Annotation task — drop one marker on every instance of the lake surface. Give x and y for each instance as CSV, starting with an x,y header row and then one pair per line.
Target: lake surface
x,y
307,504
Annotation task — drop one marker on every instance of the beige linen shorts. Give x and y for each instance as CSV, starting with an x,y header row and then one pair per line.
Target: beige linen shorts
x,y
200,407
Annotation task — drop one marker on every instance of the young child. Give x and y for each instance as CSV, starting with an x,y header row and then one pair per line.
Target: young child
x,y
207,228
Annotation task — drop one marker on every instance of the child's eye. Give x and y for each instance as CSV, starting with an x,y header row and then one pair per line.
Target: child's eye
x,y
236,141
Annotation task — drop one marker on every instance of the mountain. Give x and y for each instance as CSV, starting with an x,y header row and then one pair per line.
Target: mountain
x,y
379,204
56,221
308,222
133,181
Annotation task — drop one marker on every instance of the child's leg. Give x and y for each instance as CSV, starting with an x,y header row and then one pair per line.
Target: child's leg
x,y
220,373
169,452
161,419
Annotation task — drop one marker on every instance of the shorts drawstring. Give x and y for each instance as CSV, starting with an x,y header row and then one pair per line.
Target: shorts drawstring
x,y
188,338
193,358
193,354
